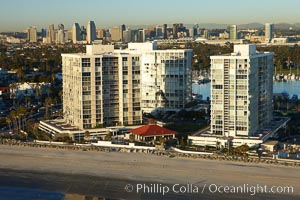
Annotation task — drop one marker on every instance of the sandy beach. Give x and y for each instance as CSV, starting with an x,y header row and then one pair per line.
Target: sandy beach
x,y
107,173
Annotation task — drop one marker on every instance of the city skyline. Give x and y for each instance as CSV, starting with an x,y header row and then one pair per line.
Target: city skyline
x,y
105,14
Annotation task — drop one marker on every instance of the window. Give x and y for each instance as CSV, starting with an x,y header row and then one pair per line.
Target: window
x,y
86,62
97,62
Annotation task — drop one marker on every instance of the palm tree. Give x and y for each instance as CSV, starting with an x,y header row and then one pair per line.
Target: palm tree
x,y
13,117
48,102
12,90
8,121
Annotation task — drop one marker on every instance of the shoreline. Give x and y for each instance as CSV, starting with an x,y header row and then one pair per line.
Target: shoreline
x,y
65,171
231,158
78,186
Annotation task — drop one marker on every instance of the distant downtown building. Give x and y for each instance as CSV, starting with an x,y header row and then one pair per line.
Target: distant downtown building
x,y
116,33
60,34
76,33
269,32
241,92
233,32
91,32
51,34
32,34
113,87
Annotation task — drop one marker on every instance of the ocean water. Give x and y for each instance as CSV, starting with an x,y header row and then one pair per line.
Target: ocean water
x,y
290,87
17,193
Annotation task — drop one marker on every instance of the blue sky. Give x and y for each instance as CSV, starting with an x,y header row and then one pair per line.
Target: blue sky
x,y
17,15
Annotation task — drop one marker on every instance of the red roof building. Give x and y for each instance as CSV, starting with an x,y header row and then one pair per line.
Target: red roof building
x,y
152,132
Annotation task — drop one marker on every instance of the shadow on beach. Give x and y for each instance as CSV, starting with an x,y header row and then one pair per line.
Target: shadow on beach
x,y
36,185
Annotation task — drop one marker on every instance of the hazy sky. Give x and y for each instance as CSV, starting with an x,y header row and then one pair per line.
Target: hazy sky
x,y
17,15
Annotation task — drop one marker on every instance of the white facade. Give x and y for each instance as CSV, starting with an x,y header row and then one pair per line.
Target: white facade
x,y
107,86
241,91
101,87
165,77
269,32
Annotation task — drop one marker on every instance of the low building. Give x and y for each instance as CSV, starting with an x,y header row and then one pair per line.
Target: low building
x,y
270,145
222,142
59,126
20,90
152,132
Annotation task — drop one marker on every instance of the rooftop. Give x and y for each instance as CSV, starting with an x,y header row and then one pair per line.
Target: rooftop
x,y
152,130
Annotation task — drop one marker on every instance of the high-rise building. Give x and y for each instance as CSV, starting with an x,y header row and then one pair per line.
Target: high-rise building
x,y
233,32
191,32
241,91
122,28
269,32
165,31
127,37
206,34
116,33
91,32
165,77
69,35
44,32
110,87
51,34
76,33
100,33
83,33
60,35
101,88
159,31
32,34
141,35
195,30
175,31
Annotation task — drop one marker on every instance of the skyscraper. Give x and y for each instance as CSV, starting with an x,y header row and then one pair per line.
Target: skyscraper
x,y
116,33
233,32
195,30
159,31
127,36
60,39
91,32
241,91
76,33
141,35
32,34
51,34
175,31
206,34
165,31
44,32
100,33
83,33
269,32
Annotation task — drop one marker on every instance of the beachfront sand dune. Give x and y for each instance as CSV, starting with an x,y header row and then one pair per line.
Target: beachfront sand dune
x,y
141,168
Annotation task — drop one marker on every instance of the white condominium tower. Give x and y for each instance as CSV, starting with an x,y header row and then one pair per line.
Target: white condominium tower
x,y
241,91
110,87
165,77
